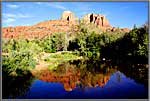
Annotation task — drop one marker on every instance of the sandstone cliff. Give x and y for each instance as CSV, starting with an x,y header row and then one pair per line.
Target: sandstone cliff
x,y
67,21
98,20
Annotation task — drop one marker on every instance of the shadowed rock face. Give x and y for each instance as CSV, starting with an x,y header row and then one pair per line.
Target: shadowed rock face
x,y
98,20
65,24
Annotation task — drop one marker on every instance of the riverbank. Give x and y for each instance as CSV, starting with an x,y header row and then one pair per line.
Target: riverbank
x,y
50,61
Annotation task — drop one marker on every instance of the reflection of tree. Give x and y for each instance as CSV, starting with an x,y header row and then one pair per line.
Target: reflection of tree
x,y
80,74
137,72
14,87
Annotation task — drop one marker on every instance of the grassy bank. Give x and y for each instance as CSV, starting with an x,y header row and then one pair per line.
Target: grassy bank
x,y
52,60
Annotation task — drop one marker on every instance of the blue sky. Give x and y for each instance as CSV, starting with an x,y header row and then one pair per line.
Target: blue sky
x,y
119,14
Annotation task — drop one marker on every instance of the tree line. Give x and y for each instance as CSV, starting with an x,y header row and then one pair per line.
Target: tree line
x,y
118,47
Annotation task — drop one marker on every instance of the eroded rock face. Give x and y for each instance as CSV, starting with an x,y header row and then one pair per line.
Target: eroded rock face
x,y
114,29
14,32
125,30
69,16
39,30
98,20
65,24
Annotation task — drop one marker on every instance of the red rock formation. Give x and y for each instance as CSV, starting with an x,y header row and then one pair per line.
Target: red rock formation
x,y
69,16
122,29
98,20
46,28
125,30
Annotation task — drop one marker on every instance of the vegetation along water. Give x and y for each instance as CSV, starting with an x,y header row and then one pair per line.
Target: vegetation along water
x,y
84,64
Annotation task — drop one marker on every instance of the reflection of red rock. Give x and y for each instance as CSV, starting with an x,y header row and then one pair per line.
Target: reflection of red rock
x,y
71,77
101,84
73,85
104,81
67,87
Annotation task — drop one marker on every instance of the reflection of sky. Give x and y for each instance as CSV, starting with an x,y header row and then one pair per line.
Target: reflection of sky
x,y
116,87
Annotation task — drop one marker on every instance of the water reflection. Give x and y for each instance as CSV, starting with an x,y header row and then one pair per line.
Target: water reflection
x,y
13,87
80,74
82,79
137,72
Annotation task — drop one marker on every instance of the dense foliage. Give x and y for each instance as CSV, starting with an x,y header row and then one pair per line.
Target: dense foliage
x,y
118,47
16,64
90,43
54,43
131,48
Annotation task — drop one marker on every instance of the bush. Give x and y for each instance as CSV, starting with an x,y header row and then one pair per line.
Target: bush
x,y
17,63
131,48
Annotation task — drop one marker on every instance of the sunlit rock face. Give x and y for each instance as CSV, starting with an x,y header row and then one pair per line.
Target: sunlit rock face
x,y
66,24
70,17
97,19
39,30
125,29
114,29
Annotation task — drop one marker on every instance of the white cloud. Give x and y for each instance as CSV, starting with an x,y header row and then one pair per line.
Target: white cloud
x,y
9,15
19,15
39,3
12,6
23,16
9,20
57,6
53,5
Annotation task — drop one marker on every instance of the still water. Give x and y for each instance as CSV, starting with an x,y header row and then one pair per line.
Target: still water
x,y
82,79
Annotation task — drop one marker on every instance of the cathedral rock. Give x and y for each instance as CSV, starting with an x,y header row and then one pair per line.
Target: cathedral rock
x,y
70,17
98,20
64,24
